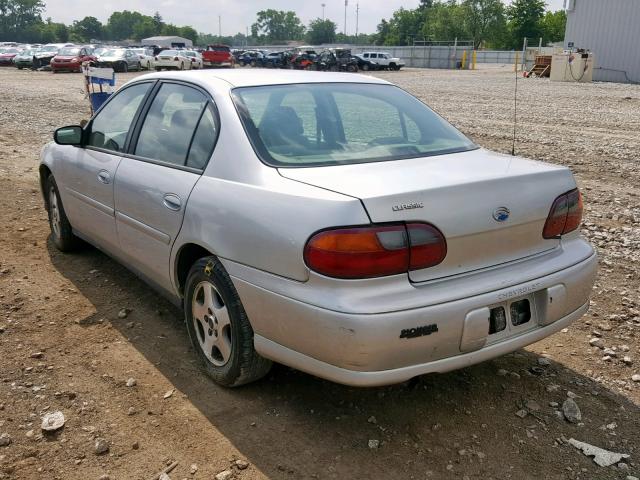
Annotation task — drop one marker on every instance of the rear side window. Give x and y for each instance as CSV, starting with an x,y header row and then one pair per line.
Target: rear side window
x,y
204,140
110,127
170,124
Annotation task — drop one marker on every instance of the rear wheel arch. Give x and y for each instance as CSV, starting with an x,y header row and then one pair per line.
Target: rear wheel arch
x,y
44,176
188,254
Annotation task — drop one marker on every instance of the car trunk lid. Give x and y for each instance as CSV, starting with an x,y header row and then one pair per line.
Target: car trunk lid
x,y
490,207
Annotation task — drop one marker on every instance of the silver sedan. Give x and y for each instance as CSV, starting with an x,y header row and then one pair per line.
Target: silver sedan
x,y
330,222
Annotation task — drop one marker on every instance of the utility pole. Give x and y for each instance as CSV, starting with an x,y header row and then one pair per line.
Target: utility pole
x,y
323,5
357,17
346,2
220,27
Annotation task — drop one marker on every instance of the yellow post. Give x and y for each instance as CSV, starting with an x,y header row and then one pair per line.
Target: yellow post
x,y
464,60
515,65
474,57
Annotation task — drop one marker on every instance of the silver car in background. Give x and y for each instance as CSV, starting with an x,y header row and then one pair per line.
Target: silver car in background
x,y
327,221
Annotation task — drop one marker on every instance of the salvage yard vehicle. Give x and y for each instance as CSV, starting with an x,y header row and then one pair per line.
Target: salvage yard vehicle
x,y
146,57
218,56
120,59
365,64
196,59
24,59
330,222
7,55
336,60
172,60
70,59
383,59
43,56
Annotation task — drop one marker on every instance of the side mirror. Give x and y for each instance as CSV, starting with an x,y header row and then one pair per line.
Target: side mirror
x,y
71,135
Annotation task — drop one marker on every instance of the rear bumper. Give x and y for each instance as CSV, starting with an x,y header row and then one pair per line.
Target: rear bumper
x,y
354,378
368,349
75,66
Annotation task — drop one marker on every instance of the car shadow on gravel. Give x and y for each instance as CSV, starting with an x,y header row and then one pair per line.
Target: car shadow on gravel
x,y
293,425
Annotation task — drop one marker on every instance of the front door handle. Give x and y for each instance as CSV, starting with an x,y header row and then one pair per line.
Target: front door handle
x,y
172,201
104,177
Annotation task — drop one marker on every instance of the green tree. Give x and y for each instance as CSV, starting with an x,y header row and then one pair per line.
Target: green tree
x,y
446,22
484,21
321,31
189,32
553,26
120,25
86,29
19,17
525,20
403,27
170,29
277,25
159,23
144,28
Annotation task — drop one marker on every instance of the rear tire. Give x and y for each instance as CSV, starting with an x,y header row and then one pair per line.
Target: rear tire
x,y
182,66
365,67
124,67
218,326
61,231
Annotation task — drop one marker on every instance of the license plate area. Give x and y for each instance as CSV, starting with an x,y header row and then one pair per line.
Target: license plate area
x,y
513,317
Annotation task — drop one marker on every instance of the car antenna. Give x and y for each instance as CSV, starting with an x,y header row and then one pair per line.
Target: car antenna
x,y
515,112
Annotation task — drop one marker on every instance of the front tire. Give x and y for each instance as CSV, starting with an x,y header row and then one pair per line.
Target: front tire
x,y
124,67
219,328
61,231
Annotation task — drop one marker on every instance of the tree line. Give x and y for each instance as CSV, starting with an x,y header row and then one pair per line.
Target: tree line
x,y
488,23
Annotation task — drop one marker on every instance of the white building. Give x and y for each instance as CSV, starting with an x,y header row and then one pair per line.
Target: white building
x,y
168,42
611,30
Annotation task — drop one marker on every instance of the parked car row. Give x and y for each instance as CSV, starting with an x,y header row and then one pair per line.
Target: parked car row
x,y
69,57
307,58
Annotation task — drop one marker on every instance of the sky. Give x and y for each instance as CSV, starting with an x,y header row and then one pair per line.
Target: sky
x,y
237,15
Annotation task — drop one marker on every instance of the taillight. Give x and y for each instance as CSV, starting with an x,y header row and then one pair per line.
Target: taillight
x,y
565,215
176,59
155,58
375,251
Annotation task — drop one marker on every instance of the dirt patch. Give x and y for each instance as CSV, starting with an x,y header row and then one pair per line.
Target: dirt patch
x,y
64,347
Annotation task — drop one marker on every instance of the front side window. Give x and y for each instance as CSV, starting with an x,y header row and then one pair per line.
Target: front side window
x,y
342,123
170,124
110,127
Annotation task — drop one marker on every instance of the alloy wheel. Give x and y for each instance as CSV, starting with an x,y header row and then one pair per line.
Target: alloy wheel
x,y
211,323
54,210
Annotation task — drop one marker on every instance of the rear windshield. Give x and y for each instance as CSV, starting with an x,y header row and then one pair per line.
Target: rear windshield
x,y
218,48
342,123
169,52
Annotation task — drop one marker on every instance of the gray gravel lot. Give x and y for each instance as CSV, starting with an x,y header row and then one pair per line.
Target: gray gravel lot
x,y
64,347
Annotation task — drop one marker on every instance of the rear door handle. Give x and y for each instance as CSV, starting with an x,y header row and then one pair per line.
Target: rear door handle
x,y
104,177
172,201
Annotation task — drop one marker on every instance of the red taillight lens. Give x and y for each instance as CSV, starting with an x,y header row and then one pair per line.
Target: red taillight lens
x,y
374,251
176,59
428,246
565,215
155,58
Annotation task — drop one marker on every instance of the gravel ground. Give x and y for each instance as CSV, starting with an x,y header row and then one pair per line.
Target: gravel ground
x,y
63,345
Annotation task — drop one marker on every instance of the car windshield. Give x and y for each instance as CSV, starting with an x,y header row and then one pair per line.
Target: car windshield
x,y
169,52
190,54
342,123
49,48
27,53
11,50
113,53
217,48
69,51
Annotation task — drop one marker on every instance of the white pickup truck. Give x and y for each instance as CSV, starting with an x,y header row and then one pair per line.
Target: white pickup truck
x,y
384,60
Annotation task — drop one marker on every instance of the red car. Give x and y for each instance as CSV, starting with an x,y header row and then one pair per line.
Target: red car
x,y
217,56
7,54
71,58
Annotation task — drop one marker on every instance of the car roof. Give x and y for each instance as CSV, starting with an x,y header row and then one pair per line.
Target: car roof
x,y
240,77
